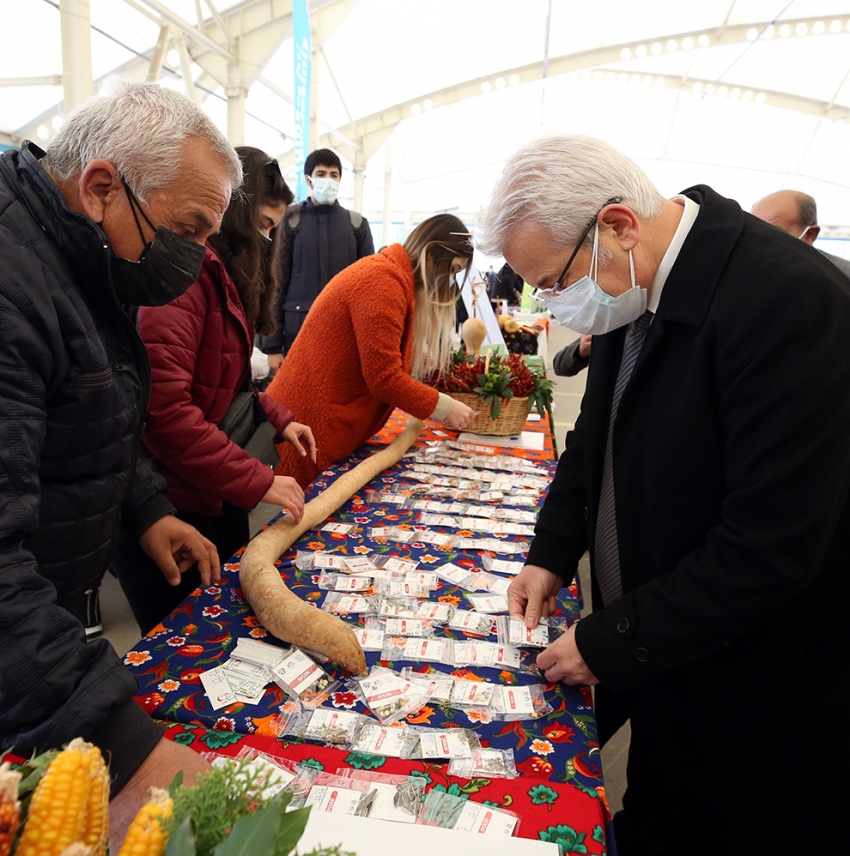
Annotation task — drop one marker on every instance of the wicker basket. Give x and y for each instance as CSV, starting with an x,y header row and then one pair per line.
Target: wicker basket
x,y
511,419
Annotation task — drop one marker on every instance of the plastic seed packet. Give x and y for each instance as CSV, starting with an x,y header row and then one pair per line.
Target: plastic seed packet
x,y
482,581
513,703
408,627
333,799
424,579
471,693
512,631
396,566
344,582
487,602
438,539
427,650
387,497
502,566
403,588
380,532
305,561
454,574
476,652
486,820
370,638
401,535
398,607
388,695
301,677
489,762
339,603
437,684
397,797
469,621
444,744
438,613
358,565
339,528
388,740
333,727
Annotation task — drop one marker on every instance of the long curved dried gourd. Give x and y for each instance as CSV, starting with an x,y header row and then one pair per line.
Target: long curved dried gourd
x,y
283,613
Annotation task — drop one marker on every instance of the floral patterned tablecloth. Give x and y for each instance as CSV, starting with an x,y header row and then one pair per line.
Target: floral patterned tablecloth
x,y
559,794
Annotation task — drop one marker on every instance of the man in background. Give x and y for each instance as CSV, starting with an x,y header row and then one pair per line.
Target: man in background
x,y
797,214
319,239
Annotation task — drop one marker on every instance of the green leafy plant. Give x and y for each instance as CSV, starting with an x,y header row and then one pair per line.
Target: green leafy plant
x,y
494,387
220,816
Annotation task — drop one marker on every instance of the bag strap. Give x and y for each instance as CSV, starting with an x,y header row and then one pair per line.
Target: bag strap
x,y
356,219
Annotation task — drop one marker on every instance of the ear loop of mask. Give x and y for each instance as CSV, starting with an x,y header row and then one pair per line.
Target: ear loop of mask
x,y
631,269
134,203
594,258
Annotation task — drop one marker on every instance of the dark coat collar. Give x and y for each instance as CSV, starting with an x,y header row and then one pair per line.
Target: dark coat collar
x,y
691,283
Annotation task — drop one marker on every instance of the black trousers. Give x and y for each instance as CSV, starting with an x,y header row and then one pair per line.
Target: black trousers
x,y
148,592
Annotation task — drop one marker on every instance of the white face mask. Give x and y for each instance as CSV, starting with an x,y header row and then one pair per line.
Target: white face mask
x,y
325,190
586,308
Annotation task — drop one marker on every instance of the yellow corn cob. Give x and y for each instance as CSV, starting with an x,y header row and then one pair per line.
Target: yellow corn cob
x,y
146,837
96,829
57,811
10,808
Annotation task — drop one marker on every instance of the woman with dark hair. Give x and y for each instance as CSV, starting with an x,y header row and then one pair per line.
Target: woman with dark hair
x,y
375,330
199,348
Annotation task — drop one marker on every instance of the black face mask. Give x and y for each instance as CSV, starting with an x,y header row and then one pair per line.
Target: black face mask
x,y
167,267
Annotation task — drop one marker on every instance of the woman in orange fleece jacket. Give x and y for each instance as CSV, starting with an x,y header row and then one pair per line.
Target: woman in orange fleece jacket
x,y
377,326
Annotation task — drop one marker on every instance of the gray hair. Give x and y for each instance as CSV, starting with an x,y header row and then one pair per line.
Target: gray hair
x,y
560,182
140,128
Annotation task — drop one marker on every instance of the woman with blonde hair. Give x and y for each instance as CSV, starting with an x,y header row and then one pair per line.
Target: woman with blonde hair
x,y
376,329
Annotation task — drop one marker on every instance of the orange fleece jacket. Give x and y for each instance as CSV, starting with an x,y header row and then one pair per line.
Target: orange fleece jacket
x,y
350,364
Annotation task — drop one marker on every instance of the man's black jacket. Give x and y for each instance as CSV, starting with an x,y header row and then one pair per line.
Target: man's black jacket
x,y
74,386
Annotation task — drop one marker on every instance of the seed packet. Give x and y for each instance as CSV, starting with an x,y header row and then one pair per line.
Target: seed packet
x,y
437,684
482,581
301,677
403,588
488,762
388,695
408,627
387,497
319,561
470,621
502,566
398,607
325,725
485,819
476,652
454,574
438,744
391,741
259,653
396,797
340,603
438,613
438,539
359,565
371,637
428,650
380,532
339,528
512,631
395,565
514,703
471,693
487,602
344,582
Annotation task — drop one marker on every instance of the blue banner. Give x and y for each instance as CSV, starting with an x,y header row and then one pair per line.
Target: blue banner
x,y
301,53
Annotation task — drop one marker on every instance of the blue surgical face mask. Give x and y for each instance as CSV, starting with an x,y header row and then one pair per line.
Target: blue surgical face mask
x,y
325,191
585,308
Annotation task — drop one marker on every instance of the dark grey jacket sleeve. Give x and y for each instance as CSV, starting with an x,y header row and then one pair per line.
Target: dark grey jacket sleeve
x,y
53,686
146,503
568,362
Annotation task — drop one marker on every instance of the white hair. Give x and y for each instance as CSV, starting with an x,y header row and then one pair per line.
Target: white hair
x,y
140,128
561,182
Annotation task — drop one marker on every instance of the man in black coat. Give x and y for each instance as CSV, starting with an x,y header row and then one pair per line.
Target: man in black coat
x,y
319,238
708,475
114,215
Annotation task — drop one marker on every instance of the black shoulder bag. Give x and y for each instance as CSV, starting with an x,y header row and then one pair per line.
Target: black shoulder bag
x,y
247,425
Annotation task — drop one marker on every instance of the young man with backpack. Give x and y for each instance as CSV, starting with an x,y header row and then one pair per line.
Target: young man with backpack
x,y
320,238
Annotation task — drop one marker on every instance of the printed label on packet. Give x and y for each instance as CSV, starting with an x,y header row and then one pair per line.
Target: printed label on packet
x,y
244,669
371,639
470,621
439,539
439,687
503,566
298,671
444,744
379,532
217,688
380,688
359,565
333,799
406,627
352,583
484,819
491,495
400,566
344,528
512,700
352,604
521,635
381,740
452,573
403,588
489,602
438,612
424,650
472,692
328,562
327,723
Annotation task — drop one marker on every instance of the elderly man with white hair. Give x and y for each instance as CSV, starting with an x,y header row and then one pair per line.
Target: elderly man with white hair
x,y
708,475
113,216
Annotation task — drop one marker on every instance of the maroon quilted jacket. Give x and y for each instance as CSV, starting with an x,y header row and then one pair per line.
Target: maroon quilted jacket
x,y
199,348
